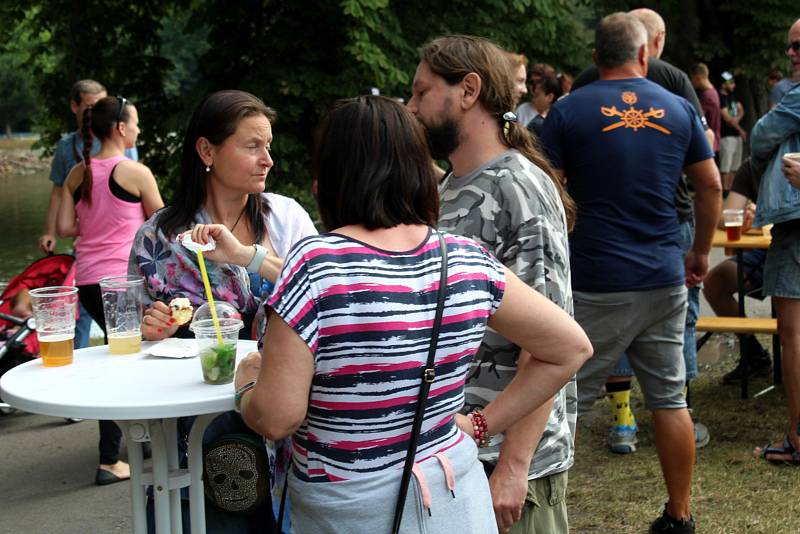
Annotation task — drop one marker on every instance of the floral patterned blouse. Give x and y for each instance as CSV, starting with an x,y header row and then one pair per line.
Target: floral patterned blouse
x,y
171,270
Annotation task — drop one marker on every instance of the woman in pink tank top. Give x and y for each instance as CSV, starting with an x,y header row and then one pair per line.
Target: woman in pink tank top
x,y
104,201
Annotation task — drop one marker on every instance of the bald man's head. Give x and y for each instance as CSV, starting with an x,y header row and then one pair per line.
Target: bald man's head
x,y
794,54
656,30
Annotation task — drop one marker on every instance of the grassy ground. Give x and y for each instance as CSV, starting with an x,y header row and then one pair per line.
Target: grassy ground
x,y
731,492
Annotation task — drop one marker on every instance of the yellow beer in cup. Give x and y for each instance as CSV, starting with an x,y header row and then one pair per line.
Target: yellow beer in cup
x,y
122,307
124,342
54,312
56,350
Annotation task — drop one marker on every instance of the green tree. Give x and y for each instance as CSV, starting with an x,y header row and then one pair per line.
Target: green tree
x,y
746,37
297,56
300,57
115,42
17,104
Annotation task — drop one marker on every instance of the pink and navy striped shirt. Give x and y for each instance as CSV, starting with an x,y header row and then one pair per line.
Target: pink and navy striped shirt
x,y
366,315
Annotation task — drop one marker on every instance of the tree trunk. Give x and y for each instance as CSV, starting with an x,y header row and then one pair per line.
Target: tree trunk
x,y
752,93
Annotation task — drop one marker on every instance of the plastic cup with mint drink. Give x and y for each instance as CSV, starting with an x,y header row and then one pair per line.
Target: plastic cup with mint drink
x,y
217,349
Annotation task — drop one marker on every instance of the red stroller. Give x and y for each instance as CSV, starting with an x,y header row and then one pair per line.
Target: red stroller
x,y
21,344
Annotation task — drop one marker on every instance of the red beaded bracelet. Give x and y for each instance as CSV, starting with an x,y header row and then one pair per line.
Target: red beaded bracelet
x,y
480,428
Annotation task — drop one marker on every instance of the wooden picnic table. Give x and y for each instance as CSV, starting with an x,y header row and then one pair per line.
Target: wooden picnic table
x,y
755,238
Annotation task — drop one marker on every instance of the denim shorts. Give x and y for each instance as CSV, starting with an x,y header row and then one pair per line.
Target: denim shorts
x,y
753,267
782,267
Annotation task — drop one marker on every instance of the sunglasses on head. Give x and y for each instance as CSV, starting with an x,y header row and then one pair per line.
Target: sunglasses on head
x,y
794,45
122,103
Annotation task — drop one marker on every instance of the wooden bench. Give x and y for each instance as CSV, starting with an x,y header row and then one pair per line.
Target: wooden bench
x,y
744,325
737,325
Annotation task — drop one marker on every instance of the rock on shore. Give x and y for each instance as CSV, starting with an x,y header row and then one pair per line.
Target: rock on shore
x,y
22,162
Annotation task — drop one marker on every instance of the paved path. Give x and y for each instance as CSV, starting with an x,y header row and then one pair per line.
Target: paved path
x,y
47,471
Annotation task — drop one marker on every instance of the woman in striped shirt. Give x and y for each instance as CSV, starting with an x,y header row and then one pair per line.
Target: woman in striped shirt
x,y
349,328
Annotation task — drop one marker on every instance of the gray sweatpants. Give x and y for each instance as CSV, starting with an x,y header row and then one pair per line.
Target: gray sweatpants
x,y
366,505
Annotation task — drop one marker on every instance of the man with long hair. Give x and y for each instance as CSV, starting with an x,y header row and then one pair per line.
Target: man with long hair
x,y
502,193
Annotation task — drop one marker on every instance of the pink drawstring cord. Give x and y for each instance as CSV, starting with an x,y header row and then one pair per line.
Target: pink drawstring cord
x,y
448,473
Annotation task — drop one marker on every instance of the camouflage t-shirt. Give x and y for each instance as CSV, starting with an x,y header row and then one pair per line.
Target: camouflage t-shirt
x,y
512,208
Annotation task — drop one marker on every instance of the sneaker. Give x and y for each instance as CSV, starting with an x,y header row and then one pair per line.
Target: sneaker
x,y
701,435
667,523
622,439
756,366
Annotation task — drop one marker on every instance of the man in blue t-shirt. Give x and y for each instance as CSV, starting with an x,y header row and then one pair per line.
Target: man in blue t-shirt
x,y
83,94
622,143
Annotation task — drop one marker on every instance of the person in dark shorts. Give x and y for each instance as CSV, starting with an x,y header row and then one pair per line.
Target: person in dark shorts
x,y
721,283
775,136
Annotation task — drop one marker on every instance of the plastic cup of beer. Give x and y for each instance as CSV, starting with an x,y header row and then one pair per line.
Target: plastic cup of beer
x,y
122,308
733,219
217,354
54,312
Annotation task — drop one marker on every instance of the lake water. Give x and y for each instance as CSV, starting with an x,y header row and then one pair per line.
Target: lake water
x,y
23,205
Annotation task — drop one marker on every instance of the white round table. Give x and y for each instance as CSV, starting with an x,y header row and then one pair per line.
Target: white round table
x,y
145,395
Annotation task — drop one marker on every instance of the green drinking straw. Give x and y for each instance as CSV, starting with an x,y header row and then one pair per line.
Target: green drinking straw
x,y
210,298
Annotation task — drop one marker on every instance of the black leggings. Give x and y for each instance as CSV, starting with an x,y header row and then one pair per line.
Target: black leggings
x,y
110,433
92,300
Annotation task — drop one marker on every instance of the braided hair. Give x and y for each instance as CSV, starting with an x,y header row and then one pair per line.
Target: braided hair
x,y
86,135
99,121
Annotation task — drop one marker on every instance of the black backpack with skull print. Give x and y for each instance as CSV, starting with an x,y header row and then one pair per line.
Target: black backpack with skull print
x,y
235,473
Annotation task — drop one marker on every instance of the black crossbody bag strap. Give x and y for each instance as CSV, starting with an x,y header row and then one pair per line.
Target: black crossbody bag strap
x,y
282,508
428,375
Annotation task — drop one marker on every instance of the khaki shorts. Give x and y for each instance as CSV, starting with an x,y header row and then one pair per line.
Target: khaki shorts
x,y
730,153
545,510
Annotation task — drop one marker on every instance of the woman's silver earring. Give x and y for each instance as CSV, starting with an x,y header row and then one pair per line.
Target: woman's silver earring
x,y
208,168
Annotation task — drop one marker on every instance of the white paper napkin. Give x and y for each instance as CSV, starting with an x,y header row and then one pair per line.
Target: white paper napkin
x,y
186,240
174,348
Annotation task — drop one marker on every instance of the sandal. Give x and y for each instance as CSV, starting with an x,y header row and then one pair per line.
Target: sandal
x,y
787,448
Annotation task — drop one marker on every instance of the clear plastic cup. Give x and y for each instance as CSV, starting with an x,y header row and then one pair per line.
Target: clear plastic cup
x,y
123,308
54,312
218,361
733,220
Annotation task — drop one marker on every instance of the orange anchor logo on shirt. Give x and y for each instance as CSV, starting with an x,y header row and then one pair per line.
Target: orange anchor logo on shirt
x,y
632,117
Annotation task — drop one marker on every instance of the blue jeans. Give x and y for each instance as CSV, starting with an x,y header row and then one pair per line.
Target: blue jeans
x,y
82,328
623,367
